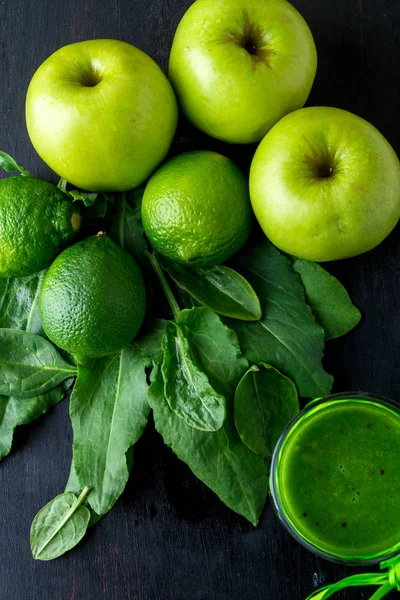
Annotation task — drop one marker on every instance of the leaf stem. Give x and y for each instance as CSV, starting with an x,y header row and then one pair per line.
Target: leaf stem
x,y
122,220
62,184
82,496
164,283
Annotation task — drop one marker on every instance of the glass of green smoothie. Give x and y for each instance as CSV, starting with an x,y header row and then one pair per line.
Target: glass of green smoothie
x,y
335,478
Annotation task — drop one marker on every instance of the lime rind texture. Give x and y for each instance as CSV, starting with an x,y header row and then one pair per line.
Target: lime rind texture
x,y
92,302
196,209
35,225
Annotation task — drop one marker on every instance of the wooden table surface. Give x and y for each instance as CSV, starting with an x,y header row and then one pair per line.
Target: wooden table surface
x,y
169,537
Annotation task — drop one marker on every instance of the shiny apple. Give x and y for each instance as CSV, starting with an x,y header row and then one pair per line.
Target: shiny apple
x,y
238,66
101,114
325,184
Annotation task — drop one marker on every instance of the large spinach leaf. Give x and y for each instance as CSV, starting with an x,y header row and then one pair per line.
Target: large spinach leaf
x,y
148,345
29,364
59,526
20,411
19,310
223,290
186,387
329,301
287,336
218,458
109,411
265,402
216,348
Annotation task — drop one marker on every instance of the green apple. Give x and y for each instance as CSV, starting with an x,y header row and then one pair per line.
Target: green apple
x,y
101,114
325,184
238,66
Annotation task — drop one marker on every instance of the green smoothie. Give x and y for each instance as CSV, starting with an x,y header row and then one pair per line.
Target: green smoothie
x,y
338,478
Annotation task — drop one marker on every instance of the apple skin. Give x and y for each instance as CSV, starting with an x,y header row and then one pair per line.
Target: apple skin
x,y
225,90
325,185
101,114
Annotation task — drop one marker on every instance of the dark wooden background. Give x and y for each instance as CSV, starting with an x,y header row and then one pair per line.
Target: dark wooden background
x,y
169,537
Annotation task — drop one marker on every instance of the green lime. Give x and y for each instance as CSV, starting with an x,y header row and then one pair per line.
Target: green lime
x,y
92,301
37,220
196,209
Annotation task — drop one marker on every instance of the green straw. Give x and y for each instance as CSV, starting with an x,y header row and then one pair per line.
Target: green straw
x,y
387,581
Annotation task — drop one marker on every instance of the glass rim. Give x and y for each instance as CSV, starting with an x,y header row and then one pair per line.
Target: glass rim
x,y
274,486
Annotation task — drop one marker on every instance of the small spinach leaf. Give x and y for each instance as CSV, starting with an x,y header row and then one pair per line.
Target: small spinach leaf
x,y
215,347
287,336
265,402
59,526
88,198
29,364
219,288
108,411
186,387
328,299
219,459
9,164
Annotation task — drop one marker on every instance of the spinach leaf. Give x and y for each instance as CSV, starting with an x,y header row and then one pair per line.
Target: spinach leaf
x,y
29,364
219,459
329,301
95,203
126,227
287,336
109,411
19,310
215,347
148,343
73,486
265,402
9,164
59,526
186,386
20,411
88,198
219,288
19,302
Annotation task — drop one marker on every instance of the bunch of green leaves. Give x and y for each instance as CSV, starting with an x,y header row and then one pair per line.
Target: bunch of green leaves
x,y
33,375
222,374
255,359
